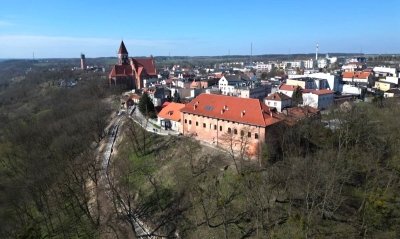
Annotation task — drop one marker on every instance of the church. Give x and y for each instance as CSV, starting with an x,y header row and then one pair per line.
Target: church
x,y
131,71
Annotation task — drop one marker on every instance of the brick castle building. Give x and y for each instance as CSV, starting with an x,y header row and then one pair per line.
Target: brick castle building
x,y
228,121
131,71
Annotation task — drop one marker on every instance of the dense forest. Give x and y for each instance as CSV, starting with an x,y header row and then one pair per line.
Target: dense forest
x,y
312,180
47,136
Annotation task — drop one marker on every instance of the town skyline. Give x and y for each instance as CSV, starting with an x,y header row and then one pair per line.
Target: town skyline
x,y
196,29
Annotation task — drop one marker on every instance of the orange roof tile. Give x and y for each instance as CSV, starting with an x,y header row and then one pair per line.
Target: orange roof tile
x,y
171,111
319,92
288,87
356,74
235,109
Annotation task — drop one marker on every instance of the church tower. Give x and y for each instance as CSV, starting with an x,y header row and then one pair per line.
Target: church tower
x,y
123,55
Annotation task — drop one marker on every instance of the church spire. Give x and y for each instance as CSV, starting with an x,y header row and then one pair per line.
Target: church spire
x,y
122,49
122,54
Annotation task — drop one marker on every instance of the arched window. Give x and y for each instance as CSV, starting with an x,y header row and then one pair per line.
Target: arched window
x,y
229,130
235,131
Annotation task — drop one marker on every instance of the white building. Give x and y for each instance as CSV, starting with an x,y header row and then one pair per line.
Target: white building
x,y
322,63
309,64
387,74
278,101
255,92
293,64
287,89
261,66
385,71
170,116
363,77
351,89
354,66
332,80
228,83
319,99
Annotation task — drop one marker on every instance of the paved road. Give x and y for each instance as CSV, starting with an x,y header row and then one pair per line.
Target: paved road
x,y
149,124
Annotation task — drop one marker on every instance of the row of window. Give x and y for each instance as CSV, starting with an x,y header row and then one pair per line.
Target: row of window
x,y
235,131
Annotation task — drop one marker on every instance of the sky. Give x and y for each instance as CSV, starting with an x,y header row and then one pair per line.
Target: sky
x,y
66,28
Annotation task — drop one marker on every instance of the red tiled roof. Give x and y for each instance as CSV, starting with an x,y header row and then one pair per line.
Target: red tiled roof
x,y
357,74
278,96
288,87
165,104
322,92
121,70
235,109
147,63
122,49
171,111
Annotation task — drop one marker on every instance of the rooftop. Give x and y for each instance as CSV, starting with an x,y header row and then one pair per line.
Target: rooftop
x,y
278,96
171,111
235,109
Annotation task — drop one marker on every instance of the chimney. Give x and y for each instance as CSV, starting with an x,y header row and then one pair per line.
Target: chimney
x,y
222,111
242,113
195,105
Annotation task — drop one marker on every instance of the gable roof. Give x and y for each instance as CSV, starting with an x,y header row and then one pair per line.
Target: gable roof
x,y
288,87
235,109
147,63
172,111
122,49
121,71
356,74
319,92
278,96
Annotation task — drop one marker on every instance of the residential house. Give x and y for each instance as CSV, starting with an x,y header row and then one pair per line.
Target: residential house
x,y
319,99
383,86
256,91
158,95
304,83
204,83
322,80
360,77
170,116
183,83
278,100
228,83
354,66
228,121
288,89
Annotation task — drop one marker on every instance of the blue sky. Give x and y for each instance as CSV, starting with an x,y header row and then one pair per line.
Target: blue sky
x,y
65,28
